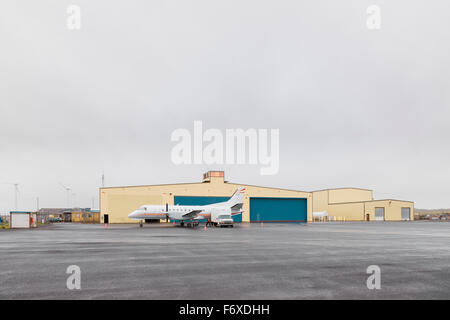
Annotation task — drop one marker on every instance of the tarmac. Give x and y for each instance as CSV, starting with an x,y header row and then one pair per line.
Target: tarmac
x,y
250,261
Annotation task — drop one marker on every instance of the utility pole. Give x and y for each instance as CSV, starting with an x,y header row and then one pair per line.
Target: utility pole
x,y
74,200
16,188
16,193
37,204
68,194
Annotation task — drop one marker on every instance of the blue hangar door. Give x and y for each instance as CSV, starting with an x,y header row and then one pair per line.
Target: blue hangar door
x,y
278,209
201,201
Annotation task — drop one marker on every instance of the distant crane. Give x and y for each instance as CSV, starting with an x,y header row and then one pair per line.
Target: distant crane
x,y
68,194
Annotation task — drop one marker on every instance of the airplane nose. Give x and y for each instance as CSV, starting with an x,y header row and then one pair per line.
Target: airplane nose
x,y
132,215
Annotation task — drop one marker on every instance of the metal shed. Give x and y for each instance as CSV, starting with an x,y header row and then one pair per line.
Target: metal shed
x,y
20,219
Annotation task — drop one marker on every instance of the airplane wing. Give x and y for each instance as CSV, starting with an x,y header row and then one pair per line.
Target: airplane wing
x,y
191,215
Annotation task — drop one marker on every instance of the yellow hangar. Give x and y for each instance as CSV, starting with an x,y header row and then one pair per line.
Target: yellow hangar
x,y
261,204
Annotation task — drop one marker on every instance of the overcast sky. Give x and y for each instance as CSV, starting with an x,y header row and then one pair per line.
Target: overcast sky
x,y
355,107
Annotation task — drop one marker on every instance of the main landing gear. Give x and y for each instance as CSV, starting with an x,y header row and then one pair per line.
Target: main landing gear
x,y
189,224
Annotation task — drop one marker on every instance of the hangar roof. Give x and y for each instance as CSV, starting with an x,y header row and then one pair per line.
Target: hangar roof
x,y
342,188
362,201
151,185
221,176
192,183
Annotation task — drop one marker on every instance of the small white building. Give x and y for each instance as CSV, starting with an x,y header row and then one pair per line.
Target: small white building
x,y
22,219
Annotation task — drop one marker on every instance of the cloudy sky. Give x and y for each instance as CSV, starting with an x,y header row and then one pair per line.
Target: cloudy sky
x,y
354,106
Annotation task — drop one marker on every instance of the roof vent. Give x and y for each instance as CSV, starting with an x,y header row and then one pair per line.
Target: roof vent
x,y
210,176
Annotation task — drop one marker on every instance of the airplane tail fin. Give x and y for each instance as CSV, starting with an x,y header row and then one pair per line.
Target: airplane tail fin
x,y
237,199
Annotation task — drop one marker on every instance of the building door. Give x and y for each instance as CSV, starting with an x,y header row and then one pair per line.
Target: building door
x,y
278,209
379,214
106,218
406,214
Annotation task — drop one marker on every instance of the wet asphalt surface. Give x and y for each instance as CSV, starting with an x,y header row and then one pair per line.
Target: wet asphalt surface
x,y
250,261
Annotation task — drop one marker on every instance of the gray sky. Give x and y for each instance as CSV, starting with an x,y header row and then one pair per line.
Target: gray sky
x,y
355,107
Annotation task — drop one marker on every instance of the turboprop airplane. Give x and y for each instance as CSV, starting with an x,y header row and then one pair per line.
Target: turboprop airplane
x,y
193,214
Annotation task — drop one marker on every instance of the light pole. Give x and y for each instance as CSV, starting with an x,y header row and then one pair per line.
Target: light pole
x,y
74,195
16,194
68,194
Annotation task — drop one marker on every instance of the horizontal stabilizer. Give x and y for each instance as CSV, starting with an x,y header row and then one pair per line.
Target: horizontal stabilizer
x,y
237,207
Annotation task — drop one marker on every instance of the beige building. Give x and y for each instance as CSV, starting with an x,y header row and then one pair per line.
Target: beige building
x,y
81,216
354,204
260,203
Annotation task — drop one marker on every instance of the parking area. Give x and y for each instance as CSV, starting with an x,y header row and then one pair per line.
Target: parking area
x,y
250,261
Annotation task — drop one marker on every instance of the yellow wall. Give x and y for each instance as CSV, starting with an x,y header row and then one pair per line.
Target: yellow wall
x,y
320,201
349,195
82,216
121,201
392,209
94,217
324,200
352,211
353,204
357,211
77,216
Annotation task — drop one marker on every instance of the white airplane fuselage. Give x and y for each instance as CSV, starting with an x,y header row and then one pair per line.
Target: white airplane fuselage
x,y
173,212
